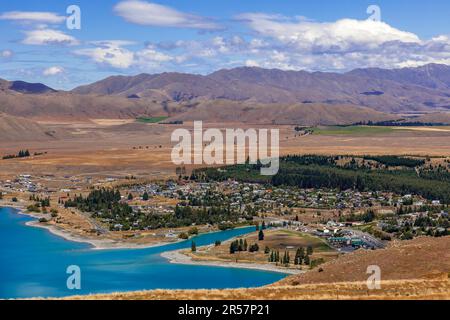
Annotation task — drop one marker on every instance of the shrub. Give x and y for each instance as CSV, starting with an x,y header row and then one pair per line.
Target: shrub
x,y
33,208
193,231
225,226
183,235
254,248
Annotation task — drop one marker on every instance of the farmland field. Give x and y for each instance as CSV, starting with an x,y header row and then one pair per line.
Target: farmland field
x,y
151,120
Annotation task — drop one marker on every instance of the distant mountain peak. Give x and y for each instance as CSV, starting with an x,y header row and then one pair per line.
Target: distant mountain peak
x,y
30,88
25,87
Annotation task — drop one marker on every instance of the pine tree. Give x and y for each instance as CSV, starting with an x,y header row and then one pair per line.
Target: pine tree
x,y
307,260
309,250
298,256
286,258
302,253
193,247
145,196
261,235
130,196
234,247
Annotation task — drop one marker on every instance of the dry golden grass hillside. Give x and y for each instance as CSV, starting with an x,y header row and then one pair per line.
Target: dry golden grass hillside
x,y
415,259
436,289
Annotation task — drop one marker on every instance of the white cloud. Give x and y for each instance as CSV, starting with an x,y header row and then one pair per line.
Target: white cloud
x,y
110,53
30,16
152,14
52,71
48,37
279,42
6,54
251,63
150,56
268,52
342,35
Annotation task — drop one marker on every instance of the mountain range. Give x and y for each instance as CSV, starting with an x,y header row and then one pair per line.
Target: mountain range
x,y
246,94
403,90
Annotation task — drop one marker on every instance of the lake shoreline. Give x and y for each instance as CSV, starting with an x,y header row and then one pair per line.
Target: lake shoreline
x,y
52,254
177,257
96,244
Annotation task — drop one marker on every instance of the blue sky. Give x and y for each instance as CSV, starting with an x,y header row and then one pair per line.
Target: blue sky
x,y
199,36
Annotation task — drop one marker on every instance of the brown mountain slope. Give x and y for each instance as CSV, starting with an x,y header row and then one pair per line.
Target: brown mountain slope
x,y
16,128
436,117
383,90
70,106
433,76
299,114
25,87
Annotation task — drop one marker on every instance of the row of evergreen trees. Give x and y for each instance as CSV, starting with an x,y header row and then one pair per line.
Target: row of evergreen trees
x,y
21,154
241,245
301,257
43,202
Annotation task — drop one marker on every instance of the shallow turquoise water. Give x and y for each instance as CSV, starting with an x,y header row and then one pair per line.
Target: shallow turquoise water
x,y
33,262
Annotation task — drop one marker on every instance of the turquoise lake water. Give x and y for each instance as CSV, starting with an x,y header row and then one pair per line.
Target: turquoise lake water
x,y
33,263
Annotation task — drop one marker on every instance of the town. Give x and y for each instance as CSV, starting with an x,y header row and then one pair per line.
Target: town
x,y
346,219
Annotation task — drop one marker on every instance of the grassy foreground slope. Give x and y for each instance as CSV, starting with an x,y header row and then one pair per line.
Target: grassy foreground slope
x,y
436,289
423,257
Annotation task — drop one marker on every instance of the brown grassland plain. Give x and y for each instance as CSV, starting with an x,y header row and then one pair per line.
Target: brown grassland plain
x,y
121,148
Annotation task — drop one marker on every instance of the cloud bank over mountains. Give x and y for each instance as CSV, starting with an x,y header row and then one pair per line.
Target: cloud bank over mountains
x,y
244,39
275,41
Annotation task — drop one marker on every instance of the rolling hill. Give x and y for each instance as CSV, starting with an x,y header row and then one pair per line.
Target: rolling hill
x,y
21,129
309,114
68,106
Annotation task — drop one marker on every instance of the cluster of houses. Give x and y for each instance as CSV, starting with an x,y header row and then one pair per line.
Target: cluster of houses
x,y
239,196
23,183
417,221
